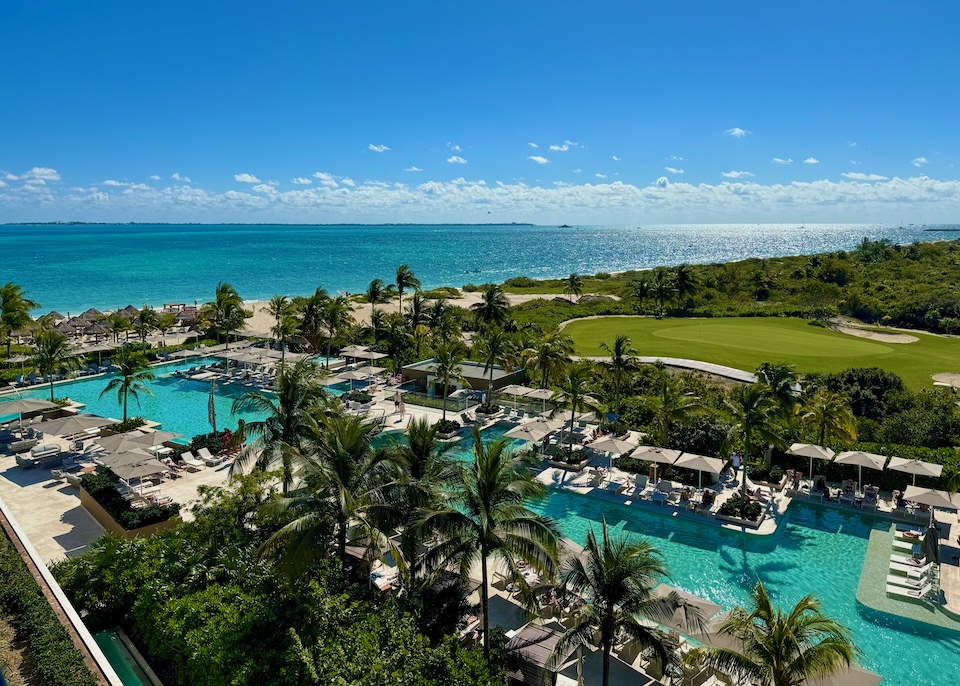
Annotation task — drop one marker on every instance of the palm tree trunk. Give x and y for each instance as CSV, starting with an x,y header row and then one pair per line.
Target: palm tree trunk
x,y
444,418
573,416
329,347
51,388
485,603
125,406
746,457
605,678
342,538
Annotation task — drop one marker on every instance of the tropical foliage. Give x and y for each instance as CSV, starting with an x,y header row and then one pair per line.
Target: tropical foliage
x,y
133,373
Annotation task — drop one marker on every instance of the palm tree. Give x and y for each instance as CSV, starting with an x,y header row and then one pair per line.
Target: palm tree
x,y
375,291
145,322
280,306
291,419
117,324
483,516
641,291
165,322
54,355
493,307
663,288
620,366
614,579
421,337
448,357
572,391
398,337
134,373
492,349
779,649
550,356
754,411
672,405
783,382
685,281
406,279
829,415
416,312
573,286
335,317
282,331
224,314
312,325
15,309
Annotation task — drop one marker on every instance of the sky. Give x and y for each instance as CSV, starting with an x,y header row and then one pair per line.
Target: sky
x,y
598,113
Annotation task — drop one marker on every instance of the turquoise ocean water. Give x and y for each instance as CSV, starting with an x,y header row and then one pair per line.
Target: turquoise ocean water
x,y
69,267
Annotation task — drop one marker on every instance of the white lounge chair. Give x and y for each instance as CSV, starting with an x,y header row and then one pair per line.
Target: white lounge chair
x,y
906,582
906,546
913,571
209,458
190,462
912,561
910,593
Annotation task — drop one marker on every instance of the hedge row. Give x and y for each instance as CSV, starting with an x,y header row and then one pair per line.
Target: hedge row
x,y
424,401
56,659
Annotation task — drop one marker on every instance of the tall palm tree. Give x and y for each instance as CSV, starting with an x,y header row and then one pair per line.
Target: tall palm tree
x,y
754,411
829,415
573,285
406,279
550,356
398,337
614,580
421,337
483,516
54,355
783,649
672,405
492,349
621,365
663,288
640,291
493,308
783,382
117,324
346,480
416,312
448,358
291,412
280,306
165,322
224,314
133,375
15,309
144,323
375,292
336,318
685,281
312,310
282,331
572,389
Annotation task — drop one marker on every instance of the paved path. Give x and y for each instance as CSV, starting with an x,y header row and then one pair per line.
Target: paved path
x,y
708,367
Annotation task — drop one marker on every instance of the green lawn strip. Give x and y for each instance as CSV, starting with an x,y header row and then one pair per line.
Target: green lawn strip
x,y
745,343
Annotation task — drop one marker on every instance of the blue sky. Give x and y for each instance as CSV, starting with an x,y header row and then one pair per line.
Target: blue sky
x,y
595,112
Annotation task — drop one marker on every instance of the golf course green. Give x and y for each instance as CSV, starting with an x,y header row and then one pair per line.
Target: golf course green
x,y
747,342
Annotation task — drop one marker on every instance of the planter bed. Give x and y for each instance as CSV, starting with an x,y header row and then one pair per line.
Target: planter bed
x,y
575,467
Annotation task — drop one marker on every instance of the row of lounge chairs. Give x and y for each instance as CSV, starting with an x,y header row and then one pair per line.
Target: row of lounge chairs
x,y
910,577
203,458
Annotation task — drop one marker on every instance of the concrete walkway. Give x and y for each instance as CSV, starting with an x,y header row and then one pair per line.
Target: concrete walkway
x,y
697,365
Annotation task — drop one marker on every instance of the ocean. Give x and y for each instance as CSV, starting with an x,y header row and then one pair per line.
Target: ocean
x,y
72,267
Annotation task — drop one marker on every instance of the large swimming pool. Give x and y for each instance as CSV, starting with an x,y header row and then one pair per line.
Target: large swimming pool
x,y
816,550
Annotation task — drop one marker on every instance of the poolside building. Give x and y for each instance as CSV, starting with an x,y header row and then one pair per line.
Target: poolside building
x,y
422,376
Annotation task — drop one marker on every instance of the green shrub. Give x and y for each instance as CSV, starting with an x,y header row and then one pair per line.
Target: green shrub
x,y
358,397
102,487
447,426
56,661
521,282
741,509
425,401
129,425
211,441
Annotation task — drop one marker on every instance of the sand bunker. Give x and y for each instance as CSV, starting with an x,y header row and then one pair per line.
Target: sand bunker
x,y
881,336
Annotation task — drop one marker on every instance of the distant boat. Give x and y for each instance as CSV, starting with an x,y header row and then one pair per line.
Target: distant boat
x,y
565,226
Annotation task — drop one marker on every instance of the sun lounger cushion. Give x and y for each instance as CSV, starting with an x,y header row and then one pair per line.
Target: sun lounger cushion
x,y
906,582
909,593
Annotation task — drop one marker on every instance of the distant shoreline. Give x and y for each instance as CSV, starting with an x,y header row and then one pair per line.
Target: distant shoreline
x,y
262,224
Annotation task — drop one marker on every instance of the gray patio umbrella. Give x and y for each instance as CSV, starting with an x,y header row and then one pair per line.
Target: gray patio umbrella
x,y
543,394
527,432
23,406
915,467
692,615
812,451
861,459
120,442
657,455
140,470
614,446
701,464
76,424
932,497
125,458
154,437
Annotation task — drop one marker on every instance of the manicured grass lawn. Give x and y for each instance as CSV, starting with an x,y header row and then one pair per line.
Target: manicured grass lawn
x,y
745,343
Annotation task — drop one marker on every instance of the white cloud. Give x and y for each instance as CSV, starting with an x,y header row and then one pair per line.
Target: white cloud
x,y
533,145
11,177
176,176
674,170
854,163
139,187
858,176
662,182
616,159
413,169
300,181
601,176
346,181
36,176
377,148
737,132
264,188
111,182
736,174
539,159
920,161
852,144
246,178
811,160
675,158
155,177
455,148
564,147
328,180
577,170
456,159
3,184
781,161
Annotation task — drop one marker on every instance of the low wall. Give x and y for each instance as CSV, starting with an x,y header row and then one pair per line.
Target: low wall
x,y
110,524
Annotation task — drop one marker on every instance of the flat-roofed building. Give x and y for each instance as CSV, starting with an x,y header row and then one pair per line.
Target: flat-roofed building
x,y
423,376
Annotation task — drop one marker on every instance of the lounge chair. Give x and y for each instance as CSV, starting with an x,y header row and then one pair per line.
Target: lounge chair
x,y
913,571
190,462
912,561
906,547
871,498
209,458
910,593
905,581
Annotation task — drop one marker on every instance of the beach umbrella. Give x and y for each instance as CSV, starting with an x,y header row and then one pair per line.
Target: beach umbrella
x,y
75,424
139,470
932,497
915,467
693,613
154,437
515,389
658,455
23,406
701,464
861,459
614,446
125,458
352,376
90,315
527,432
543,394
811,451
120,442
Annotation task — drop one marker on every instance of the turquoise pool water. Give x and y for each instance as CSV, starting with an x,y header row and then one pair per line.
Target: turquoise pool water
x,y
180,405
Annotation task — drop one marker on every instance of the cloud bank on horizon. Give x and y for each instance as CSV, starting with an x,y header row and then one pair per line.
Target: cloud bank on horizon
x,y
732,127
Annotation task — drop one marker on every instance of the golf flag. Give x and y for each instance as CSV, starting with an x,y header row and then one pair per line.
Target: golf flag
x,y
212,408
